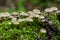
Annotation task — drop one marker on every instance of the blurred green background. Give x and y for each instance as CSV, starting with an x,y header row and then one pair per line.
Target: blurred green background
x,y
41,4
24,5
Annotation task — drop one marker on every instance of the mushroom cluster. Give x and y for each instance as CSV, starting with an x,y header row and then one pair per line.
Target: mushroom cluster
x,y
15,17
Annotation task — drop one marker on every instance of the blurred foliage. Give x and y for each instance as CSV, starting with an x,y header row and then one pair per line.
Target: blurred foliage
x,y
39,3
